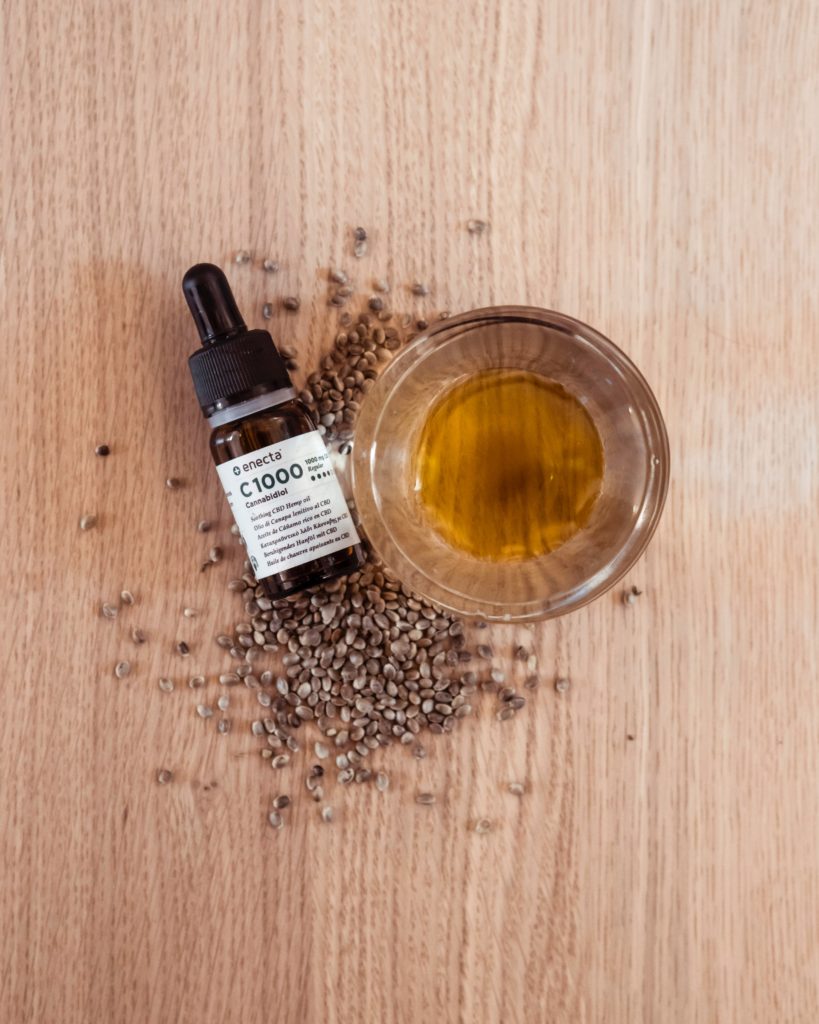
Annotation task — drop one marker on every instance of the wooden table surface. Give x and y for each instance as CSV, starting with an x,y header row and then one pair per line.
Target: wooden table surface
x,y
649,167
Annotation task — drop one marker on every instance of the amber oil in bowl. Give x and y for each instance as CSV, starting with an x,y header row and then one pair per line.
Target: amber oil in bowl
x,y
508,465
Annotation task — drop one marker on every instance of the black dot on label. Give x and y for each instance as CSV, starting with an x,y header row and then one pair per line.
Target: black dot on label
x,y
312,478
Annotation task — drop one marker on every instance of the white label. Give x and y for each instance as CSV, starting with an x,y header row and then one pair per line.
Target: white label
x,y
287,504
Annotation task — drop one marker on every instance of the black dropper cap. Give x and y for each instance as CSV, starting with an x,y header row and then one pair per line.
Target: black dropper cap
x,y
234,364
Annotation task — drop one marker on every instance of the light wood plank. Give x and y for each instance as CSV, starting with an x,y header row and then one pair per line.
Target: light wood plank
x,y
649,167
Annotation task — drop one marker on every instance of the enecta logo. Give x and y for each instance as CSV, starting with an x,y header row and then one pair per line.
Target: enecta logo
x,y
236,471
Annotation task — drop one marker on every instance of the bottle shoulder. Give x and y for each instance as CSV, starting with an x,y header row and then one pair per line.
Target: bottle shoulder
x,y
260,429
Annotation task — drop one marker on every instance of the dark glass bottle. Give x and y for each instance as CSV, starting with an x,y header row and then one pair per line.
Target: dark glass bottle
x,y
271,460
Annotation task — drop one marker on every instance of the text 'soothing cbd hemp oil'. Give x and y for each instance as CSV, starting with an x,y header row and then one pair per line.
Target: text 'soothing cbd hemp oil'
x,y
273,463
508,465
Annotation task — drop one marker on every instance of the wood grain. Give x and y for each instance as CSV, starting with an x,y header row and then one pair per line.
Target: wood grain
x,y
647,166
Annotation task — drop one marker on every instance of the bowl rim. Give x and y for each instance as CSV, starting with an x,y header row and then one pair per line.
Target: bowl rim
x,y
369,421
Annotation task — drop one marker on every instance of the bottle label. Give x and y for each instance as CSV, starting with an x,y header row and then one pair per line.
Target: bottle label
x,y
288,504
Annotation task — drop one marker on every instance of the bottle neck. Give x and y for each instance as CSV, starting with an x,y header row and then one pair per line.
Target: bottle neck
x,y
257,404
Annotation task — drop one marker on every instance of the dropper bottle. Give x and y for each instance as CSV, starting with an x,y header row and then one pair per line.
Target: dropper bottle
x,y
271,459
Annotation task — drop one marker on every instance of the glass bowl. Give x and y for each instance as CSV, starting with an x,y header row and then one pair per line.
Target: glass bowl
x,y
622,407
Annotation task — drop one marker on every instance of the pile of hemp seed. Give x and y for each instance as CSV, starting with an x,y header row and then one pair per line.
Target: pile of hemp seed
x,y
361,662
362,659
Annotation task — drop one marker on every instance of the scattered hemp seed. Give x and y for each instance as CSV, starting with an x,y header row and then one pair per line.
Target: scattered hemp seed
x,y
190,613
164,776
516,788
270,266
630,596
183,649
338,277
476,227
196,682
138,635
484,651
204,711
425,798
359,243
102,450
234,529
562,684
482,826
122,669
241,256
267,310
173,483
420,288
281,802
531,682
275,820
126,597
382,781
381,284
223,703
444,314
365,660
291,302
521,654
166,685
223,726
376,303
108,611
215,554
327,814
204,526
422,324
88,521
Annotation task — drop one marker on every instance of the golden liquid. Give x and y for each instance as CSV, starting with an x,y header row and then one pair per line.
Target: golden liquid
x,y
508,465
